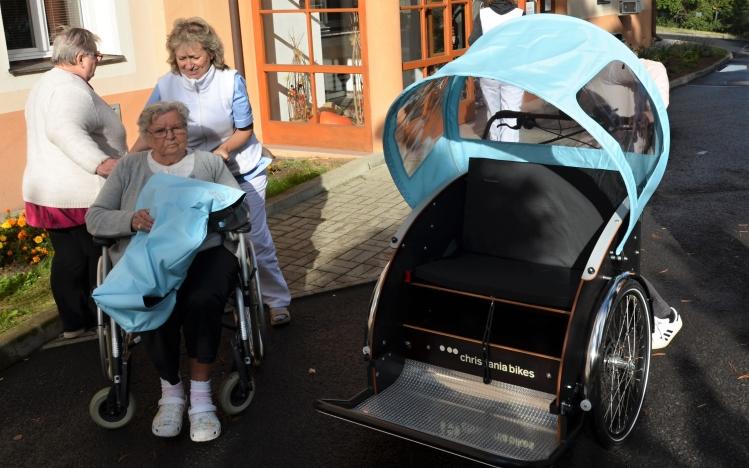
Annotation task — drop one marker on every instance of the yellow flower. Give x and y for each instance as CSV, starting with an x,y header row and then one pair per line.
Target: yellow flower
x,y
6,224
3,238
1,245
21,221
12,221
38,239
35,259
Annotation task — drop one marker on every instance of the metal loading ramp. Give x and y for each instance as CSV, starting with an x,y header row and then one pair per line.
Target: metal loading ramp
x,y
501,419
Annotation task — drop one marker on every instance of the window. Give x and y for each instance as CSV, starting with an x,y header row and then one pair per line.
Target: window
x,y
433,32
30,25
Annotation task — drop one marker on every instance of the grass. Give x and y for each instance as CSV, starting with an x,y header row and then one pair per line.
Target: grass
x,y
23,293
287,173
682,58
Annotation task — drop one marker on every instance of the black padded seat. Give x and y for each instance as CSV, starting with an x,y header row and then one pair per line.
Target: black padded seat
x,y
530,283
528,230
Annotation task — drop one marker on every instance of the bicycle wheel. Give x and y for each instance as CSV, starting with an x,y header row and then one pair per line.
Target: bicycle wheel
x,y
621,373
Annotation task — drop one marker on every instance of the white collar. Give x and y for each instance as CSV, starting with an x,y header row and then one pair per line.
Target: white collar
x,y
201,83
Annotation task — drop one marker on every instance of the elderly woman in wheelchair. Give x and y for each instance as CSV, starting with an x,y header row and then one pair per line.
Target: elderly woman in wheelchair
x,y
200,299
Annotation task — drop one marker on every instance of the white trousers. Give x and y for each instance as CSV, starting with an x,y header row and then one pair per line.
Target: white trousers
x,y
273,285
501,96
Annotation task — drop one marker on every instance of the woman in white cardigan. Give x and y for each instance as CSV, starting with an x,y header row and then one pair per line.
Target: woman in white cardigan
x,y
73,142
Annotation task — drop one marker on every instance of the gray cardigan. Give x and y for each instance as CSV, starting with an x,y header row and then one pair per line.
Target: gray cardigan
x,y
111,214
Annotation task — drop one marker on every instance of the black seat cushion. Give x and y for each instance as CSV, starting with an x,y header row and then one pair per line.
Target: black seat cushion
x,y
520,281
531,212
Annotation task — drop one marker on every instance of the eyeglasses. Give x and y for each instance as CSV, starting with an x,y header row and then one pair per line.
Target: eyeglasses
x,y
97,55
162,132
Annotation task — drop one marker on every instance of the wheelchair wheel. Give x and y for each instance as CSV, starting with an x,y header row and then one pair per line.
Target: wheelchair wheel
x,y
106,414
232,399
621,376
255,317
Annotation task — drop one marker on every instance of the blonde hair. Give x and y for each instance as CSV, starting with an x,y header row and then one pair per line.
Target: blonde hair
x,y
195,30
69,42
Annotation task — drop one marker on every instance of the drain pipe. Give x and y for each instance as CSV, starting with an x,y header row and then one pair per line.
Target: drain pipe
x,y
236,36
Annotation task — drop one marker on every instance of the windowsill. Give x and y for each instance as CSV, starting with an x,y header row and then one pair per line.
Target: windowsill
x,y
30,67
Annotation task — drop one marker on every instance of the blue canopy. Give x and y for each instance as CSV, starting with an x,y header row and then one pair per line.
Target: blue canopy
x,y
550,56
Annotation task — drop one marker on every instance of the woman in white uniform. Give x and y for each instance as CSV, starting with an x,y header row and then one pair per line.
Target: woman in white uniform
x,y
221,122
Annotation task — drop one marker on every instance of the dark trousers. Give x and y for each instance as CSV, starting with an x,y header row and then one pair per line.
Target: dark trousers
x,y
200,303
661,309
73,276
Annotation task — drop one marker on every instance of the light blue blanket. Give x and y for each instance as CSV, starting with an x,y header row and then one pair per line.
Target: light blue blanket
x,y
141,290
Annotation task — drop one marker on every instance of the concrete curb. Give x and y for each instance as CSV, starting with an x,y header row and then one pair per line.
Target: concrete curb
x,y
324,183
19,342
682,80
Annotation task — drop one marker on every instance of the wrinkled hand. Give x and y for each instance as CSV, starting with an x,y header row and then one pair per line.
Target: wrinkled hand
x,y
142,221
105,167
221,152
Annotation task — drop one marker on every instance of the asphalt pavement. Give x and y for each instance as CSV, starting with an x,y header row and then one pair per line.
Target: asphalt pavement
x,y
696,413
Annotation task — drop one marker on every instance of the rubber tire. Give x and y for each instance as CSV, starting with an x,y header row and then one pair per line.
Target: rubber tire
x,y
256,317
225,400
600,426
99,399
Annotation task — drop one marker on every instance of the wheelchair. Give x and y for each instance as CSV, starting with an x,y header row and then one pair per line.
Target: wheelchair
x,y
114,406
512,313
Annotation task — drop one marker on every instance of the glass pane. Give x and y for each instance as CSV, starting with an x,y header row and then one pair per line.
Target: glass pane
x,y
419,124
410,35
282,4
617,100
19,33
410,2
335,3
61,12
412,76
541,122
285,38
290,96
436,31
432,69
335,38
340,98
458,27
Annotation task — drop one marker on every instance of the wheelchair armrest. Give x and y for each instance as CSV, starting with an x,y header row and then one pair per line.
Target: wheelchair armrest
x,y
104,241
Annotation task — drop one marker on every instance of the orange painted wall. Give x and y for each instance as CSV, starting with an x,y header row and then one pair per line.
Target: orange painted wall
x,y
13,136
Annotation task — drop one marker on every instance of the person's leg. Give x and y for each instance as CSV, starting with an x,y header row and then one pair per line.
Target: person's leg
x,y
490,91
69,278
666,320
91,253
275,291
210,280
162,346
510,98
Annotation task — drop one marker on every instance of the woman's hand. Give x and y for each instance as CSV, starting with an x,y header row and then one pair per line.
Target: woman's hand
x,y
105,167
142,221
222,152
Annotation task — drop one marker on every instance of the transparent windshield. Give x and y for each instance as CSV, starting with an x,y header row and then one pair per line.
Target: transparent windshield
x,y
419,124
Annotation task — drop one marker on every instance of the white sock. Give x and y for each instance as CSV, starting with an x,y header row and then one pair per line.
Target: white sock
x,y
200,397
171,394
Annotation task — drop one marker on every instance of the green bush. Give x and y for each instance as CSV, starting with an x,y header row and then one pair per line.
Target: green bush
x,y
704,15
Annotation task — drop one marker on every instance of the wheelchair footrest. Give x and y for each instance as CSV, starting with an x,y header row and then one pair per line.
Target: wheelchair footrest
x,y
499,419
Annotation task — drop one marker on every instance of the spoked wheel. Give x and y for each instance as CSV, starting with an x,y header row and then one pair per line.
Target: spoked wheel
x,y
107,413
232,398
621,376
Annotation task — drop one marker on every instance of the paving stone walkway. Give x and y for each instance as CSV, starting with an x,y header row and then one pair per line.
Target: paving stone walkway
x,y
340,237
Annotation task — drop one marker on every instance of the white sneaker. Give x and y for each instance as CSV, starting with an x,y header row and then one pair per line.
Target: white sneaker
x,y
168,420
204,426
665,329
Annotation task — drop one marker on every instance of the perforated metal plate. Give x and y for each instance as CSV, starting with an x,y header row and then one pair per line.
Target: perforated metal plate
x,y
498,418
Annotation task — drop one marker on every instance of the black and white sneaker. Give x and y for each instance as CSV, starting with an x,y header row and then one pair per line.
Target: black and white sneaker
x,y
665,329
